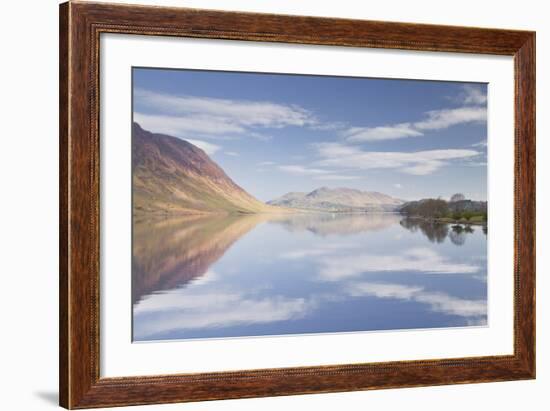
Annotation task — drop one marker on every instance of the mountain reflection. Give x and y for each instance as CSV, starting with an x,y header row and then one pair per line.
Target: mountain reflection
x,y
324,224
172,252
202,276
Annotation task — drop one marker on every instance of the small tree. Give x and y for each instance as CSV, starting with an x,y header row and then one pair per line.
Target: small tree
x,y
457,197
433,208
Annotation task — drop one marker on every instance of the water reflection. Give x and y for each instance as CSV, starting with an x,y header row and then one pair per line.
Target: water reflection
x,y
172,252
227,276
435,232
324,224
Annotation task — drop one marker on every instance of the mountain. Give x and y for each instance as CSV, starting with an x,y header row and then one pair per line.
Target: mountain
x,y
170,175
338,200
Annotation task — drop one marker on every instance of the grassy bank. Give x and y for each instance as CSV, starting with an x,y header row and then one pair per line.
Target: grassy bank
x,y
476,219
438,210
480,220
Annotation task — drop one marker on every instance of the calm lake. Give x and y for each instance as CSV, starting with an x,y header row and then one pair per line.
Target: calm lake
x,y
252,275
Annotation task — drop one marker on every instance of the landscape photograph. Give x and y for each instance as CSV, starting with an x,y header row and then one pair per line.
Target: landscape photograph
x,y
281,204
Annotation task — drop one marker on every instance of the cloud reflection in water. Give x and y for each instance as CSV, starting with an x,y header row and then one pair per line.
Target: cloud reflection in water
x,y
227,276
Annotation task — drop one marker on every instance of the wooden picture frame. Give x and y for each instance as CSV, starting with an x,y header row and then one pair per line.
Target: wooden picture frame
x,y
80,27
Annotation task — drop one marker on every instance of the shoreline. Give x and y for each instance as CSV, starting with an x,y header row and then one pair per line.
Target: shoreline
x,y
447,220
280,210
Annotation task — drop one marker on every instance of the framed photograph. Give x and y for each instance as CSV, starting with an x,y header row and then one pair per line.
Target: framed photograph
x,y
259,205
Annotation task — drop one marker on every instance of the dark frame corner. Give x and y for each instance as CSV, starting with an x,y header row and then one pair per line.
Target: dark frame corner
x,y
80,27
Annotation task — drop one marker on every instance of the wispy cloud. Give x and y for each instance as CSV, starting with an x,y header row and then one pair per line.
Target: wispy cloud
x,y
424,260
208,148
337,177
434,120
472,95
243,112
214,117
180,310
302,170
417,162
348,270
472,98
438,301
319,250
231,153
391,132
440,119
397,185
476,164
328,126
192,307
231,118
316,173
482,143
182,126
266,163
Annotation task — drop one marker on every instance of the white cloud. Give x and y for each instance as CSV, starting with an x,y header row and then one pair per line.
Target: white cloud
x,y
174,299
300,254
418,162
243,112
440,119
482,143
384,290
215,117
473,111
397,185
208,303
328,126
337,177
337,268
476,164
266,163
208,148
423,169
321,249
301,170
182,126
316,173
472,94
358,134
231,153
193,308
438,301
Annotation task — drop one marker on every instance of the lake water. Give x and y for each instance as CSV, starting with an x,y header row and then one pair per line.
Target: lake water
x,y
252,275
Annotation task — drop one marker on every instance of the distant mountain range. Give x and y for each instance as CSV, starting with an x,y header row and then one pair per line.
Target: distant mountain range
x,y
338,200
172,176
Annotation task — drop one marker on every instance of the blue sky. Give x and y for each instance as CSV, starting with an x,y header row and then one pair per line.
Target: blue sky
x,y
274,133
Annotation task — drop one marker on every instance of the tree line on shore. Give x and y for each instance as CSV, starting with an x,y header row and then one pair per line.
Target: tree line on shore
x,y
457,209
